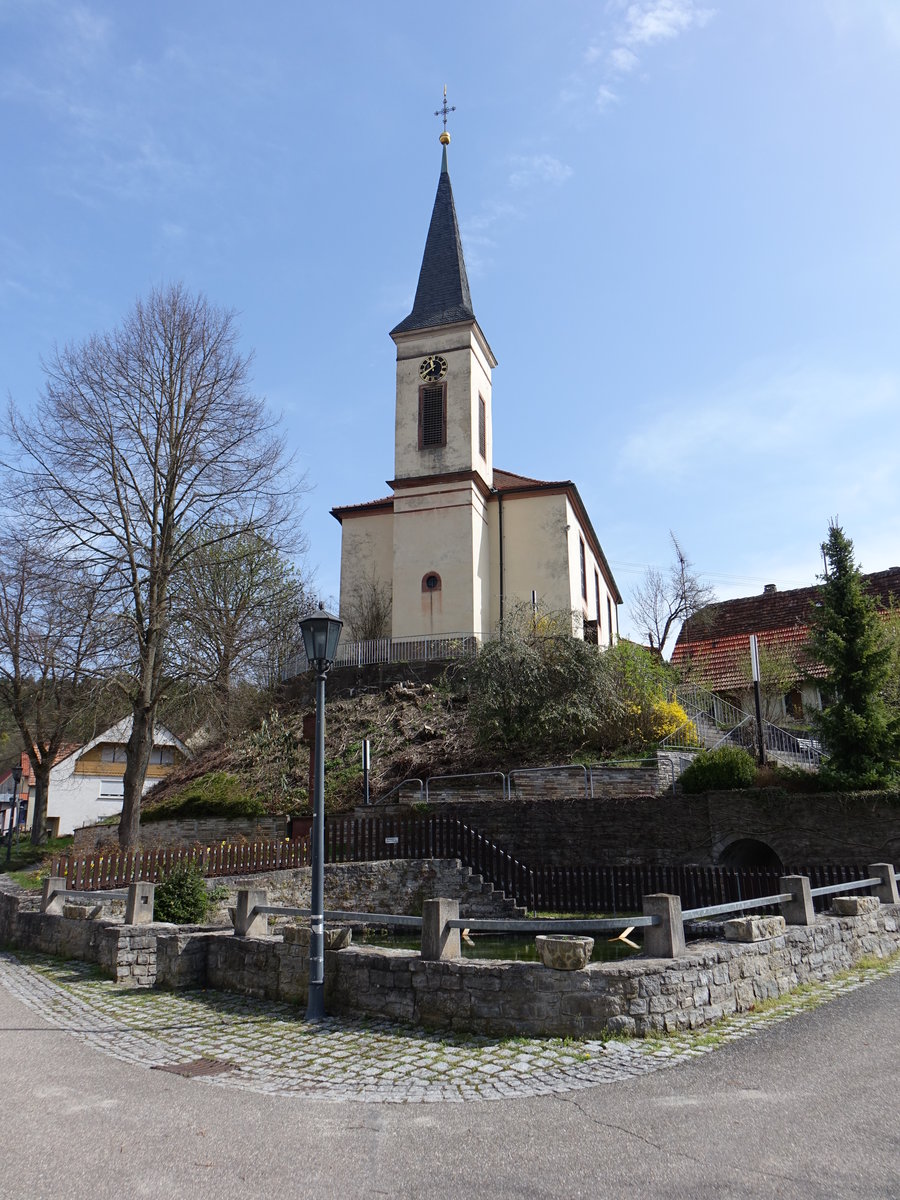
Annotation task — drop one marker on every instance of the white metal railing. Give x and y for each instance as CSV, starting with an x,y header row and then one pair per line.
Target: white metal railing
x,y
714,722
414,648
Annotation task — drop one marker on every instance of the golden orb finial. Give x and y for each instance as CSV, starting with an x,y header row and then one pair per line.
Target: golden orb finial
x,y
445,138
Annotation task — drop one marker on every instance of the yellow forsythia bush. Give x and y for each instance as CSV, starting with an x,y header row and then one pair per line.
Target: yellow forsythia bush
x,y
666,716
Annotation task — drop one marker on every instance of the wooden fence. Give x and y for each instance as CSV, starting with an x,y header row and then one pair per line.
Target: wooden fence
x,y
577,889
97,872
621,888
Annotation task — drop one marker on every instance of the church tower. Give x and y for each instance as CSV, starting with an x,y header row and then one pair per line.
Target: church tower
x,y
460,545
443,445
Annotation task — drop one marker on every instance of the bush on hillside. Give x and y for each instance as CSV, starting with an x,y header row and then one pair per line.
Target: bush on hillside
x,y
182,896
724,769
217,794
538,689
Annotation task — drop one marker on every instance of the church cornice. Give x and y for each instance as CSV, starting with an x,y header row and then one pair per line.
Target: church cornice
x,y
433,332
415,481
385,504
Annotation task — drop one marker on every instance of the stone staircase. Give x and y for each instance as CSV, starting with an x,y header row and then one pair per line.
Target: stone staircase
x,y
480,898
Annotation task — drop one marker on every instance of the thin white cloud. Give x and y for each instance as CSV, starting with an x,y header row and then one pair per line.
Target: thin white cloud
x,y
882,16
659,20
802,440
623,60
639,25
538,168
478,234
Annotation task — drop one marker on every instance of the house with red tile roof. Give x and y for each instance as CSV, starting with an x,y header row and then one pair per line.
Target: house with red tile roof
x,y
713,647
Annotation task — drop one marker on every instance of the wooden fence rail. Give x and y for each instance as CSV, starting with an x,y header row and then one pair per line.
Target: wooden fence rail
x,y
98,872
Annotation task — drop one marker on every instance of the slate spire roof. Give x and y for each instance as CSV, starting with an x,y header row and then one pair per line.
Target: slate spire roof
x,y
442,297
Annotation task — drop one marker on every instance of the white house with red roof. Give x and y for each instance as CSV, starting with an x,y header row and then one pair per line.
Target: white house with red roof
x,y
86,784
713,647
459,543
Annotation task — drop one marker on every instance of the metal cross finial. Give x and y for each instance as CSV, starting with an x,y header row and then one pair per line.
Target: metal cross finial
x,y
445,109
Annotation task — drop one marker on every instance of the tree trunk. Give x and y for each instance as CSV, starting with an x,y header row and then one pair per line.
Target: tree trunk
x,y
41,796
140,743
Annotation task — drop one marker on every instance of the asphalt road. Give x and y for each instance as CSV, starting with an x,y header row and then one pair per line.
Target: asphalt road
x,y
804,1109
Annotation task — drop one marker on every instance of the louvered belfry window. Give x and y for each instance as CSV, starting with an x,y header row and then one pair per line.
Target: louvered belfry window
x,y
432,418
482,428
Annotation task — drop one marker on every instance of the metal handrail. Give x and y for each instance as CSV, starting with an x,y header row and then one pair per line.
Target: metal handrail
x,y
473,775
588,787
727,737
630,762
287,910
714,910
417,647
82,894
833,889
845,887
397,787
553,924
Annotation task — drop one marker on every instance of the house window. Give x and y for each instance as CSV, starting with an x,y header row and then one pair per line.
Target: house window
x,y
793,704
162,756
583,569
431,582
112,754
111,789
432,415
482,428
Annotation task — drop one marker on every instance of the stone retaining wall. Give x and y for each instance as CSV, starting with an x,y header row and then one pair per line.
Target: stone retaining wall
x,y
672,830
640,996
126,953
207,831
389,886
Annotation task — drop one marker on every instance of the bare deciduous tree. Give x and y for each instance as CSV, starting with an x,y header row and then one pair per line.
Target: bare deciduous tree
x,y
237,612
367,611
661,600
143,438
54,633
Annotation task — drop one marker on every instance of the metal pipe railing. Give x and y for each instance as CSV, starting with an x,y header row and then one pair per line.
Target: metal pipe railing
x,y
473,775
551,924
588,790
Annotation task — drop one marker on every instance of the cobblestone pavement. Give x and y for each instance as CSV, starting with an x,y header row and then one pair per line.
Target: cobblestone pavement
x,y
268,1047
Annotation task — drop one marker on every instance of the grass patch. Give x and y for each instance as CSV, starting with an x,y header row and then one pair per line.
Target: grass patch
x,y
27,859
217,794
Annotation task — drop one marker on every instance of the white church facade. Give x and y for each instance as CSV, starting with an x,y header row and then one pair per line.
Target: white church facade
x,y
460,543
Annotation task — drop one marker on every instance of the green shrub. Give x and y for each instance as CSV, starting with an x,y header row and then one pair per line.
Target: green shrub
x,y
217,794
719,770
182,896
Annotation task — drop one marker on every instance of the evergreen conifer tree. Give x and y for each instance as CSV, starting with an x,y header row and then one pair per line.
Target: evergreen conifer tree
x,y
860,736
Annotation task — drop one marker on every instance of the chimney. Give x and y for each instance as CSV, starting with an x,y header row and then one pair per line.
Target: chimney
x,y
769,588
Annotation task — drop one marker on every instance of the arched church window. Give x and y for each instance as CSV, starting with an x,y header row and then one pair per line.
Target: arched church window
x,y
431,582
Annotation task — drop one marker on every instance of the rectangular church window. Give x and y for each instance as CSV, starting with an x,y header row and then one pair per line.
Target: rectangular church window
x,y
583,570
432,415
482,428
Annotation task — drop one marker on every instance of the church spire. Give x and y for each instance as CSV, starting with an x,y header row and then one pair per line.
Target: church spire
x,y
442,296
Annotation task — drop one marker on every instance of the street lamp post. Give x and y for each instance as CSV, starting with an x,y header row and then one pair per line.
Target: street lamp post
x,y
321,633
13,809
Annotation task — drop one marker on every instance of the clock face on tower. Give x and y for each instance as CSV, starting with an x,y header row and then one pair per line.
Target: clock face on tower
x,y
432,368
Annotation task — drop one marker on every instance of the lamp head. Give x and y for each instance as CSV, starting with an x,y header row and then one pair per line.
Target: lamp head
x,y
321,634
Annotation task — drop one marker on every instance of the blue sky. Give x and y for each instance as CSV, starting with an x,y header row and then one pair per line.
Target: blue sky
x,y
680,222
